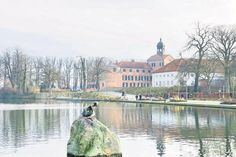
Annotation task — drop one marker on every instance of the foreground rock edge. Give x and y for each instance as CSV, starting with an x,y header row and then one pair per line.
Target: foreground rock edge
x,y
90,138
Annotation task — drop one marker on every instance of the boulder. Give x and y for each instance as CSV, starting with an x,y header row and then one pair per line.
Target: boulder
x,y
90,138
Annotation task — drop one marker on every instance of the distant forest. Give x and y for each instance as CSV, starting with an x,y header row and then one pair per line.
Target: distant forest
x,y
22,74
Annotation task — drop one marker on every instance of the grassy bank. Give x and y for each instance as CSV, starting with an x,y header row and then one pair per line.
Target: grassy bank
x,y
154,91
66,94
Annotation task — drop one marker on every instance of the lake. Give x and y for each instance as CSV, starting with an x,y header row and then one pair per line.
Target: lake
x,y
41,129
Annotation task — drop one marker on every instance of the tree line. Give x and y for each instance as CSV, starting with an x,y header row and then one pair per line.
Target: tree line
x,y
214,47
22,73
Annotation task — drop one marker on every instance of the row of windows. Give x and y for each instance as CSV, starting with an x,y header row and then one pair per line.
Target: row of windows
x,y
165,75
136,78
132,84
160,64
164,83
137,70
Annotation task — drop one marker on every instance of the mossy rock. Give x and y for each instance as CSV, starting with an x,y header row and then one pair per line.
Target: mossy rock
x,y
90,138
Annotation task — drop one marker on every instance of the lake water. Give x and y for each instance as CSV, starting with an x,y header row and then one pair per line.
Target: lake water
x,y
42,129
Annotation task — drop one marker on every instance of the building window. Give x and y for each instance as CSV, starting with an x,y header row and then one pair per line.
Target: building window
x,y
132,78
172,74
130,85
123,84
134,84
130,70
167,75
143,71
127,84
159,83
171,82
126,77
149,71
114,69
137,70
147,84
124,70
139,78
164,75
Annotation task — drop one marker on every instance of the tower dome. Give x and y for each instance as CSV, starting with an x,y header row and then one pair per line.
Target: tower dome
x,y
160,47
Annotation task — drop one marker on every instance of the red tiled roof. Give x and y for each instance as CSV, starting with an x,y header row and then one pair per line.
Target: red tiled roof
x,y
154,58
176,64
165,56
172,66
158,57
133,65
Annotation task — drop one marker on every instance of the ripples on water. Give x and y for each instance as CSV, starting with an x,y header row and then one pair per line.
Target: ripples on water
x,y
144,130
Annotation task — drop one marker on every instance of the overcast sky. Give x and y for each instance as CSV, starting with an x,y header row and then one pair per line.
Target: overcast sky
x,y
119,29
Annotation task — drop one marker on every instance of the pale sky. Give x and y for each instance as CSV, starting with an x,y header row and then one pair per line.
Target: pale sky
x,y
118,29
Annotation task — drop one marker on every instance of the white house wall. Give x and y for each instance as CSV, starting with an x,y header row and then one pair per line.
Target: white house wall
x,y
169,79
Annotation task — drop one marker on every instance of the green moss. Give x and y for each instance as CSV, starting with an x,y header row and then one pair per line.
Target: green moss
x,y
91,138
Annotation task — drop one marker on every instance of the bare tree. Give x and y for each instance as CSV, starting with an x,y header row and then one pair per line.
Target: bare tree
x,y
200,42
8,68
2,71
208,72
233,74
90,71
59,72
49,72
37,70
99,66
224,48
83,74
68,70
15,65
75,75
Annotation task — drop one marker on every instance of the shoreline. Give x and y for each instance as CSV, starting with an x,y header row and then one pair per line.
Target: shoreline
x,y
189,103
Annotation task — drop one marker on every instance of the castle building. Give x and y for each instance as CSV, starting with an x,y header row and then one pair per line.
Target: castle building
x,y
128,74
168,75
136,74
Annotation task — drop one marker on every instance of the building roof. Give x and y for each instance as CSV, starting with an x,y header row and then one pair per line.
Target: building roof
x,y
133,65
172,66
154,58
160,45
177,64
158,57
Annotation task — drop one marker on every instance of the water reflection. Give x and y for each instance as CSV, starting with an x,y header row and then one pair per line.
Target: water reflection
x,y
182,131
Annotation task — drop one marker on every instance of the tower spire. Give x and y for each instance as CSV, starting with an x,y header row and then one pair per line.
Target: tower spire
x,y
160,47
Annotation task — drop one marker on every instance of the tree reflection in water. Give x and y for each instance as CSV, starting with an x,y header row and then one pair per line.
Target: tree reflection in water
x,y
202,150
211,131
228,151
